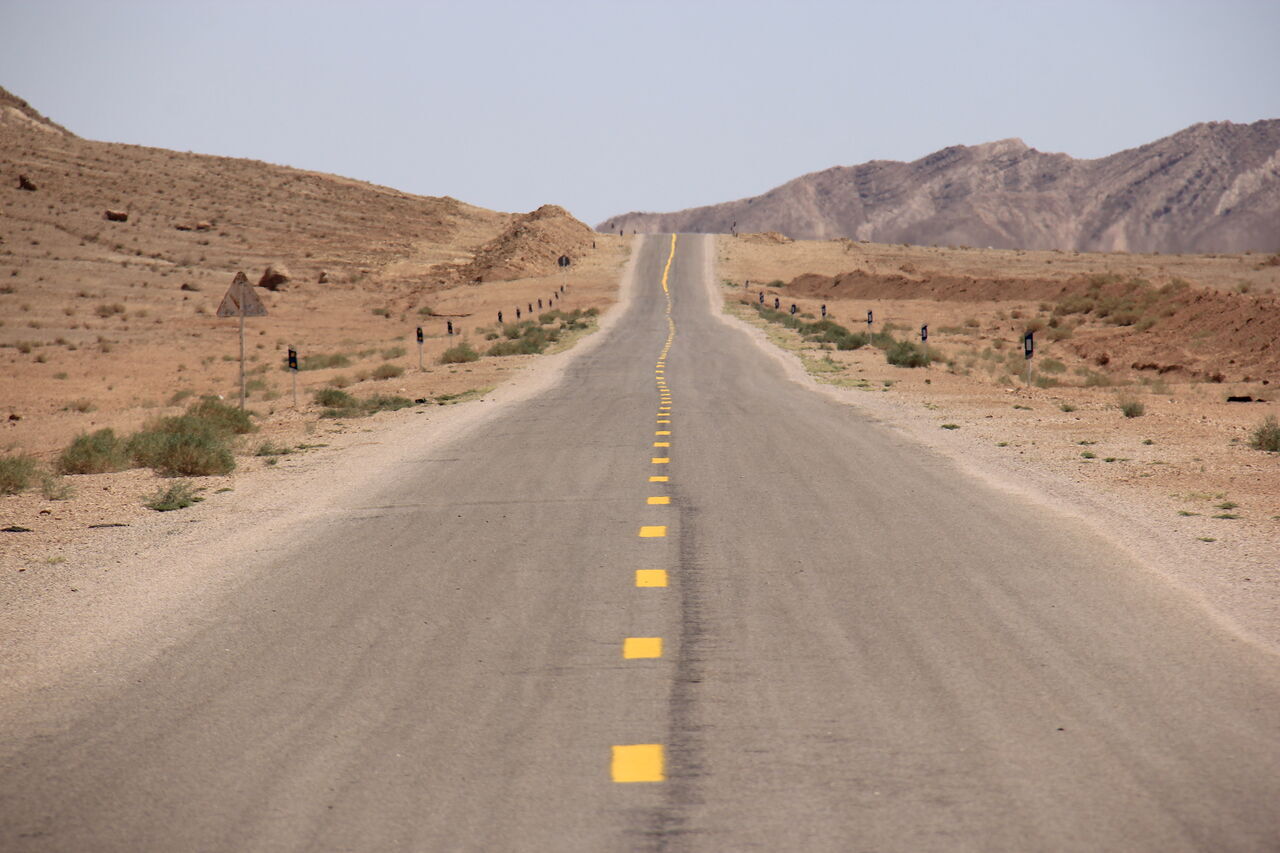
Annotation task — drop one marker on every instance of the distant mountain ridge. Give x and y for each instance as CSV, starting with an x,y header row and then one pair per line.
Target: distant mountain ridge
x,y
1211,187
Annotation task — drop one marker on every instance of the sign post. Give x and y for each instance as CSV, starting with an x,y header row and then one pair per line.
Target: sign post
x,y
293,372
1028,349
869,320
241,301
924,333
420,349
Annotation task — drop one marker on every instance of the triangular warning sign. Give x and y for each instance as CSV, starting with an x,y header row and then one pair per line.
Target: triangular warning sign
x,y
241,299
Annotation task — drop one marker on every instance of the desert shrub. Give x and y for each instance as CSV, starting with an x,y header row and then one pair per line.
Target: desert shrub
x,y
16,473
392,352
1075,305
459,354
351,407
907,354
270,448
1132,408
333,398
183,446
321,361
1060,333
1266,436
1094,379
533,339
852,341
1052,365
55,488
387,371
179,495
221,416
99,452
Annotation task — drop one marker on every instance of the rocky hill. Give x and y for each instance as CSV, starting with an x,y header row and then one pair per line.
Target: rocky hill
x,y
1211,187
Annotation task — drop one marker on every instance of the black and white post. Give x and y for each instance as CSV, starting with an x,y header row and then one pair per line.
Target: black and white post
x,y
1028,349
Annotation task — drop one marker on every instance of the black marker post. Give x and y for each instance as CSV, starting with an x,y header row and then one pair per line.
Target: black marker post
x,y
420,337
293,373
1028,349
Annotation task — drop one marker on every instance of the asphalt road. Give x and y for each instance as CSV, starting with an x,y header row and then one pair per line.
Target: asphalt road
x,y
857,648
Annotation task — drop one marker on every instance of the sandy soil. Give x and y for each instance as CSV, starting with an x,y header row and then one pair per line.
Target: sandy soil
x,y
75,590
1179,485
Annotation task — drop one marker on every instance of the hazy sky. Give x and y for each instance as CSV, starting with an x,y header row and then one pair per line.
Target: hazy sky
x,y
608,107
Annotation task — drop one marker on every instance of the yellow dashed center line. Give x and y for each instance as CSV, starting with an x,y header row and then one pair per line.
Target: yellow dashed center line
x,y
653,531
658,500
639,762
660,460
659,478
662,432
642,647
651,577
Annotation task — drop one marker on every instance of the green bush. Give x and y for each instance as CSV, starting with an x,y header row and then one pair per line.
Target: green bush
x,y
907,354
459,354
852,341
321,361
1132,408
183,446
221,416
100,452
343,405
179,495
16,473
387,371
1266,436
333,398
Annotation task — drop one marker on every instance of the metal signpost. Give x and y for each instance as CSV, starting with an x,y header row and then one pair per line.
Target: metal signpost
x,y
924,333
1028,349
869,318
419,349
293,372
241,301
824,310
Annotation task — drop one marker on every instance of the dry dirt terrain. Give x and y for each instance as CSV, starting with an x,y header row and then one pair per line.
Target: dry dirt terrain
x,y
1175,335
114,260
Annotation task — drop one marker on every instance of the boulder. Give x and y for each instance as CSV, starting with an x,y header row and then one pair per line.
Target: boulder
x,y
323,278
115,216
24,183
274,278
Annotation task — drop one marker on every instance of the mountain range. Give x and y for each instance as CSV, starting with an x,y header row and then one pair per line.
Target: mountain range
x,y
1213,187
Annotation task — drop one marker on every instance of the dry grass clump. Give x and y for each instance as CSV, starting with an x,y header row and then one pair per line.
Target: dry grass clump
x,y
99,452
1266,436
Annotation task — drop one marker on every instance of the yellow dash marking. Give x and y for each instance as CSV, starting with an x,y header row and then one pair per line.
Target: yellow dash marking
x,y
667,271
659,478
660,460
662,432
642,647
651,577
654,531
662,444
640,762
658,500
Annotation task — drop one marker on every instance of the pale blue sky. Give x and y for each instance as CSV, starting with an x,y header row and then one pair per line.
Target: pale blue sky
x,y
609,107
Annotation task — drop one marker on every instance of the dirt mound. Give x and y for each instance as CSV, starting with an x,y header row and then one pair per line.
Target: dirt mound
x,y
15,111
1122,323
766,237
531,245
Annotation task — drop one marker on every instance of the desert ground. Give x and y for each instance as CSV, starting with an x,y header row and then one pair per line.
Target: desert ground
x,y
1205,332
113,324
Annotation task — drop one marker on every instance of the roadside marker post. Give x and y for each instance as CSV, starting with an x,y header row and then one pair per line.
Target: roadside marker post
x,y
293,373
241,301
450,322
777,303
420,336
1028,349
793,309
924,333
824,310
870,318
762,297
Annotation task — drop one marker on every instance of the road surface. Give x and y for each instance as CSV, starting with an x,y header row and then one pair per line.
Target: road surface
x,y
857,647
